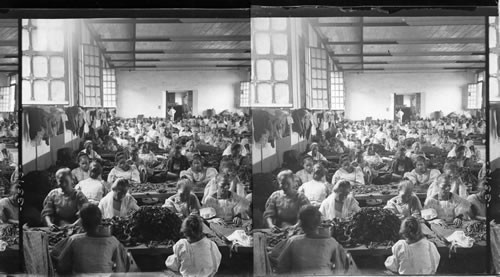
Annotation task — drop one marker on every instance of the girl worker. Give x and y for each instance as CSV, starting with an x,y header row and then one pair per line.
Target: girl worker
x,y
283,206
316,190
340,204
118,202
123,170
414,254
195,255
184,202
422,177
313,253
91,252
348,172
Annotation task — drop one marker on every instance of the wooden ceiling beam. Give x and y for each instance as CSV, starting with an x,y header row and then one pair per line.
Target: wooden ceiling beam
x,y
414,68
412,41
8,43
183,51
414,62
396,24
412,54
178,38
181,59
184,66
167,21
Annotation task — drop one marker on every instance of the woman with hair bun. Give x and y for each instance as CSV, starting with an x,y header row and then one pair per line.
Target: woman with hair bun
x,y
414,254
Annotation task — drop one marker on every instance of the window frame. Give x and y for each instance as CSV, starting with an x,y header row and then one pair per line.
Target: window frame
x,y
271,57
31,53
311,89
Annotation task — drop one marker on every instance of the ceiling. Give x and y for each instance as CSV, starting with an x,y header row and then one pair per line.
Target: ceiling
x,y
174,44
404,43
8,46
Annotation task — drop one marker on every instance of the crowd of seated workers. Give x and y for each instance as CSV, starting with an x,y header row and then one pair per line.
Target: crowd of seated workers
x,y
432,158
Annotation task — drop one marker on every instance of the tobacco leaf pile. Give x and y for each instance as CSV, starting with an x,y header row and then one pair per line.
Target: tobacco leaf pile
x,y
154,223
476,230
10,234
371,227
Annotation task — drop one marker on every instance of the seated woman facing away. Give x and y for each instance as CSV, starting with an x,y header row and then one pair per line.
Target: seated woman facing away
x,y
62,204
283,206
9,208
118,202
184,202
316,190
195,255
123,170
450,207
228,205
92,252
406,203
93,188
414,254
313,253
340,204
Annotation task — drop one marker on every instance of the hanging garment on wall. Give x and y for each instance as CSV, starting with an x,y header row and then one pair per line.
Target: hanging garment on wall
x,y
298,122
38,121
262,122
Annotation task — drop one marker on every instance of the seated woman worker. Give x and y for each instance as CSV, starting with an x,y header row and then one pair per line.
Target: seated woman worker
x,y
316,190
228,205
313,253
62,204
184,202
228,167
457,185
91,252
123,170
450,207
118,202
340,204
199,174
422,177
88,148
283,206
93,188
406,203
177,163
82,171
348,171
400,165
9,207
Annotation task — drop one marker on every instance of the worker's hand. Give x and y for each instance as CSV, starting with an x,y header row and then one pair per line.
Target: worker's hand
x,y
457,222
53,227
275,228
237,221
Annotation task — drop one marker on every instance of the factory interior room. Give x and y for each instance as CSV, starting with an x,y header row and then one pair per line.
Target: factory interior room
x,y
9,181
368,145
137,146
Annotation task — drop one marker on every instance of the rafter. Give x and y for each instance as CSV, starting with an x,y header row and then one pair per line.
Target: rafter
x,y
178,38
413,41
183,51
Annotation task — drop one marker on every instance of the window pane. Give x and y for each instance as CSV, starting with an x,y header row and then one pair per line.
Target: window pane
x,y
264,94
279,24
262,43
282,93
280,70
41,90
280,44
56,67
26,90
260,24
40,67
26,40
263,70
39,39
26,66
58,91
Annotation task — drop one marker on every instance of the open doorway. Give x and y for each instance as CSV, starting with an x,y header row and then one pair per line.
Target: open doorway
x,y
181,102
409,105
